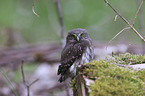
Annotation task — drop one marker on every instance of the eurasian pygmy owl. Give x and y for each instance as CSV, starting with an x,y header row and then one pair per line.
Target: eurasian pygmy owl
x,y
78,50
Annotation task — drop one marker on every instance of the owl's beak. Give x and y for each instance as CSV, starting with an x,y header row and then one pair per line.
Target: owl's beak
x,y
78,38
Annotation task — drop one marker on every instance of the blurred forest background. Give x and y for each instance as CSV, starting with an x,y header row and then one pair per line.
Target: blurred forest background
x,y
93,15
20,27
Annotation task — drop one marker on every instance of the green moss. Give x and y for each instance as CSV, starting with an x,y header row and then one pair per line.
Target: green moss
x,y
72,83
141,74
126,59
112,80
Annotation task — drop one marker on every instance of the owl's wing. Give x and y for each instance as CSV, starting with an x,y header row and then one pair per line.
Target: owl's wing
x,y
69,55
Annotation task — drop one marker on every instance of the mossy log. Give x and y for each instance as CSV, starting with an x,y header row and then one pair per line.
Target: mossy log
x,y
110,79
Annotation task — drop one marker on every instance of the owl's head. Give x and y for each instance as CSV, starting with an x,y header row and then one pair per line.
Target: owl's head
x,y
77,35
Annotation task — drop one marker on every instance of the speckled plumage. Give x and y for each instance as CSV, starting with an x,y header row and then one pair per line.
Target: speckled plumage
x,y
78,50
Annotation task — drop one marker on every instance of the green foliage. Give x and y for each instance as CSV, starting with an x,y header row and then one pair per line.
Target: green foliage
x,y
92,15
17,76
72,83
112,80
126,59
8,81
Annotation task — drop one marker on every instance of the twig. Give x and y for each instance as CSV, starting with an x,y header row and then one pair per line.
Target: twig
x,y
137,13
118,34
3,73
61,22
115,17
126,27
24,81
23,76
125,20
33,9
141,24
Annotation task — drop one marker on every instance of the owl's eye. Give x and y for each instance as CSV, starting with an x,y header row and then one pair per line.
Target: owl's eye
x,y
82,35
72,36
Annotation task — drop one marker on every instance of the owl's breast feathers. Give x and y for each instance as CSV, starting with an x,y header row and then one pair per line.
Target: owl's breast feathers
x,y
71,53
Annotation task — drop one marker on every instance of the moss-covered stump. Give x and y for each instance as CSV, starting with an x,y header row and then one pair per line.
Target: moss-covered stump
x,y
79,86
109,79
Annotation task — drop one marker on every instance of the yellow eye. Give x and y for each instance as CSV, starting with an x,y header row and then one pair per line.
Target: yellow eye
x,y
82,35
73,36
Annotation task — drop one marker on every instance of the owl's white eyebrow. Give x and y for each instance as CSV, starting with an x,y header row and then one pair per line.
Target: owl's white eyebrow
x,y
73,34
80,33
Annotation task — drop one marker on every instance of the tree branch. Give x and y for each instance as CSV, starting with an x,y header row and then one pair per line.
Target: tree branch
x,y
119,34
137,13
61,22
131,26
141,24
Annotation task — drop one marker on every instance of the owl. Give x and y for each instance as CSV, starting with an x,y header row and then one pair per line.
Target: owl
x,y
78,50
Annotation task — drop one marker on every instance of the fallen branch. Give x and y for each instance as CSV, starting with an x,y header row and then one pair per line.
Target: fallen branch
x,y
34,53
49,53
